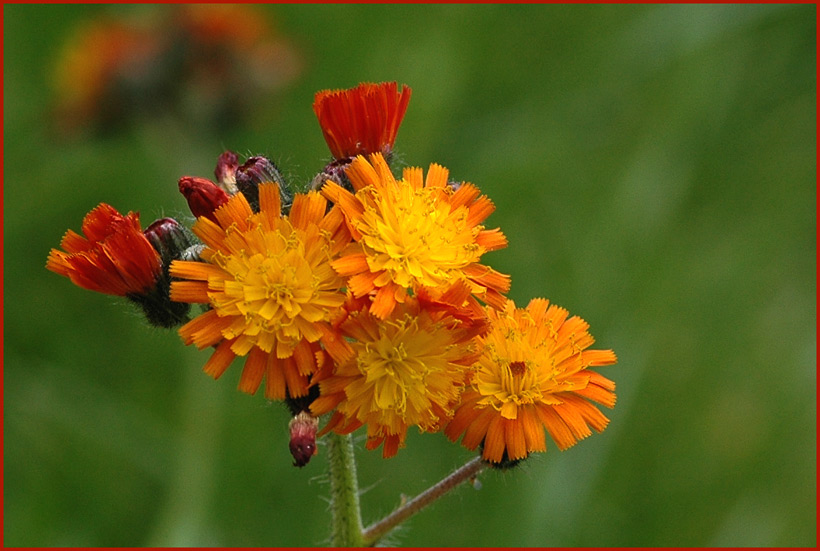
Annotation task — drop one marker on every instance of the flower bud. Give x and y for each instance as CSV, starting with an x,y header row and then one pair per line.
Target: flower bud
x,y
225,171
335,171
258,170
169,238
303,429
203,196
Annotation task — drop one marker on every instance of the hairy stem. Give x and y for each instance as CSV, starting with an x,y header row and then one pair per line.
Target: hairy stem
x,y
376,531
346,518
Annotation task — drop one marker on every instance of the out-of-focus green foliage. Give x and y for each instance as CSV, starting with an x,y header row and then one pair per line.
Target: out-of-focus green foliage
x,y
654,169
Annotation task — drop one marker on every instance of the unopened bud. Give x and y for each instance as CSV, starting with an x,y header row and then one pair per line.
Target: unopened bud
x,y
169,238
203,196
259,170
303,429
335,171
225,171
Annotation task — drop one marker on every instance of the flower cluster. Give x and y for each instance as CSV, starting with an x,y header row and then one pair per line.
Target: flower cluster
x,y
208,64
364,300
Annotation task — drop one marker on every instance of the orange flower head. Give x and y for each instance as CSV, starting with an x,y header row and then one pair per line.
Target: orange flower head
x,y
114,258
533,374
361,120
406,370
414,232
270,287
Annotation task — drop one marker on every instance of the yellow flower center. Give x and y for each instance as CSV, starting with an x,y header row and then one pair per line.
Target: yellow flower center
x,y
415,236
519,365
279,284
407,368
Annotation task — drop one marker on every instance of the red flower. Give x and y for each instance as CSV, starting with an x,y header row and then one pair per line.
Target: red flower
x,y
115,258
361,120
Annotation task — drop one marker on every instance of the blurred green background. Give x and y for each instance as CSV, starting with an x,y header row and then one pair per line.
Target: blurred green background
x,y
654,169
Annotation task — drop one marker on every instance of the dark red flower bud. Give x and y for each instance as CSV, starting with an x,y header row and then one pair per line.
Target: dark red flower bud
x,y
203,196
259,170
303,429
225,171
168,237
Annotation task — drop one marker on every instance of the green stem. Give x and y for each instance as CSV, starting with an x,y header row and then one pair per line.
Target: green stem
x,y
376,531
344,490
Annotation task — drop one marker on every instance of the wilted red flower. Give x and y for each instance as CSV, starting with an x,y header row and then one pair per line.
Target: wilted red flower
x,y
114,258
361,120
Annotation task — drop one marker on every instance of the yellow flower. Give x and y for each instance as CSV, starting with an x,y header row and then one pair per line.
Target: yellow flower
x,y
406,370
413,233
270,288
532,375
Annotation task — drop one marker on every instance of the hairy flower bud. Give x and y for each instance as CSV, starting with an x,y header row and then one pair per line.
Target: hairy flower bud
x,y
203,196
169,238
303,429
259,170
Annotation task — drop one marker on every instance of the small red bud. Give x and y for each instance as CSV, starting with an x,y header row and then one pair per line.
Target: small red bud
x,y
203,196
303,429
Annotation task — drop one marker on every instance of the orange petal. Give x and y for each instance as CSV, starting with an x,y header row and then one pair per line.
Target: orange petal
x,y
533,430
491,240
189,291
571,415
436,176
307,209
361,173
219,360
236,211
480,210
297,383
384,302
515,440
558,430
495,440
274,379
351,265
477,431
270,200
254,371
465,195
204,330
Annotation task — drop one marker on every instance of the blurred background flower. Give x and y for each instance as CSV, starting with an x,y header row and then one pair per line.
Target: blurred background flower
x,y
208,64
654,169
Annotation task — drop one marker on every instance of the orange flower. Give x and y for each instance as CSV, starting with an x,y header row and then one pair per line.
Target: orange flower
x,y
114,258
361,120
270,287
413,233
532,375
407,370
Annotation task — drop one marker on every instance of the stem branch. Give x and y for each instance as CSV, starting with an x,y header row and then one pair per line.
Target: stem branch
x,y
375,532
